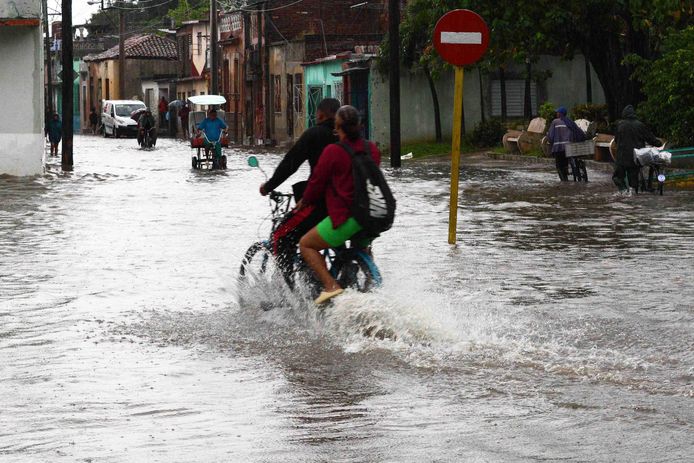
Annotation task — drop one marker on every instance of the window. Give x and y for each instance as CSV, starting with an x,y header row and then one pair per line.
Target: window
x,y
108,90
337,92
199,43
298,100
515,97
277,93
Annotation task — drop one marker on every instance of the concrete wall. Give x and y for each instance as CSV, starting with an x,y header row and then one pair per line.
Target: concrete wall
x,y
21,87
286,59
566,86
417,107
20,9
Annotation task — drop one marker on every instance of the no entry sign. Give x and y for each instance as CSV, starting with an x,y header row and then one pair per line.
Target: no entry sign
x,y
461,37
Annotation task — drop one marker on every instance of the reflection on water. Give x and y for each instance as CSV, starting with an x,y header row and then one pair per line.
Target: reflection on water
x,y
559,328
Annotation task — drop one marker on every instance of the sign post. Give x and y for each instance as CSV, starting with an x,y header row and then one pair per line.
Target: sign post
x,y
461,37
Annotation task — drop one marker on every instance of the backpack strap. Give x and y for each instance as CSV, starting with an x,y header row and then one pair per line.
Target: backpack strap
x,y
350,151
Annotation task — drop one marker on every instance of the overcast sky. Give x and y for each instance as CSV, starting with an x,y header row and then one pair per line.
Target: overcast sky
x,y
81,10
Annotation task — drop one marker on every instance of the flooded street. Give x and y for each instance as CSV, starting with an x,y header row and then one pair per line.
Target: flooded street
x,y
560,328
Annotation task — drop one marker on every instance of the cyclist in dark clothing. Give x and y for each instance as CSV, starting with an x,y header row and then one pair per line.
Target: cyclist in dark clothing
x,y
308,148
631,133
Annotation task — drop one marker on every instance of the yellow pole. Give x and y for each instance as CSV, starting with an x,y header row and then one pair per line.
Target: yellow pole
x,y
455,153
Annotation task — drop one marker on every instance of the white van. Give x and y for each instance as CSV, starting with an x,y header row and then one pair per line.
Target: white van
x,y
115,117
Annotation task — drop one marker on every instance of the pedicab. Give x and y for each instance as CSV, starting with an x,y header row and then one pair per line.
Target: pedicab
x,y
204,157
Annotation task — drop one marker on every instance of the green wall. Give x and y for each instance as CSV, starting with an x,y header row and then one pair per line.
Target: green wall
x,y
320,75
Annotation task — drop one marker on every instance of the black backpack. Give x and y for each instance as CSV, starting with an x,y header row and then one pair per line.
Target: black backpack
x,y
373,206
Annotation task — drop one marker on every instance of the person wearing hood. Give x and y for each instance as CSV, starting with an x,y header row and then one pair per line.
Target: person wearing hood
x,y
54,130
562,131
631,134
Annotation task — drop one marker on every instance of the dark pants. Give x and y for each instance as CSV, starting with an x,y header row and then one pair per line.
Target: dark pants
x,y
631,173
286,238
562,165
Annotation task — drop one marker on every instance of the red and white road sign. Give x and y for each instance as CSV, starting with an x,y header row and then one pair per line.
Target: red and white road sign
x,y
461,37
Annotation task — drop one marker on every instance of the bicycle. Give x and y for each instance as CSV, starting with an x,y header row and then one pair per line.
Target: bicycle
x,y
147,141
351,267
202,144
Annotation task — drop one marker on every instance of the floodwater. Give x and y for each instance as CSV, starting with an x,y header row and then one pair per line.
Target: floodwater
x,y
560,328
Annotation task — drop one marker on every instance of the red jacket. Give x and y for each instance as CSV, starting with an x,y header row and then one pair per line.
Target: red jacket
x,y
332,179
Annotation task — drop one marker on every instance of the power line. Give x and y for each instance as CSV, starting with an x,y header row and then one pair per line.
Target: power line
x,y
249,10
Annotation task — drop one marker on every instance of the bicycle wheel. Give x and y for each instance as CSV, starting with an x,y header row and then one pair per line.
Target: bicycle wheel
x,y
256,276
355,270
583,170
255,262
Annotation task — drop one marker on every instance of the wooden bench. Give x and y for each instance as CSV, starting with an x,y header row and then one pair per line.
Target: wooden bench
x,y
605,149
524,141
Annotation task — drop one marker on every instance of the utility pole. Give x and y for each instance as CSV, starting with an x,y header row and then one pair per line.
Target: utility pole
x,y
214,64
394,78
68,81
49,69
121,52
269,97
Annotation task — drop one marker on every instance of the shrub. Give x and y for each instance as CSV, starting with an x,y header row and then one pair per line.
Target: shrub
x,y
488,133
547,111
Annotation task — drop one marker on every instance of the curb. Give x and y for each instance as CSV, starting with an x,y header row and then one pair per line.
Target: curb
x,y
519,158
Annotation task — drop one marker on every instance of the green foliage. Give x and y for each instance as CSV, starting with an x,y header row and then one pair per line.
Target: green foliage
x,y
590,112
548,111
189,10
488,133
668,84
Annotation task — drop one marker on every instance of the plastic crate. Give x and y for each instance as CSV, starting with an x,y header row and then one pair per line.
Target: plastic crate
x,y
580,149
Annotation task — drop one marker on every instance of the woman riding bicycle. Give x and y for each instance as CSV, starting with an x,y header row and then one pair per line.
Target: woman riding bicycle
x,y
332,179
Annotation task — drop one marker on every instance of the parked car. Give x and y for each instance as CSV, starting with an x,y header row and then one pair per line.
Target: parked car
x,y
116,120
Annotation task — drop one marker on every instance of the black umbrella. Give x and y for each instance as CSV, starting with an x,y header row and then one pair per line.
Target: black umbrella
x,y
135,115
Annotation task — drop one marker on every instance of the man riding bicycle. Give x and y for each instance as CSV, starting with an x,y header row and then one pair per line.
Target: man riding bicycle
x,y
145,123
308,148
213,127
332,180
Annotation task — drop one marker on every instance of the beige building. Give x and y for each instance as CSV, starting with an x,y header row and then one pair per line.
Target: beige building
x,y
148,58
193,43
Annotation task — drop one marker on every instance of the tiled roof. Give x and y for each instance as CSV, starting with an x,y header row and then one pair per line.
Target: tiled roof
x,y
142,46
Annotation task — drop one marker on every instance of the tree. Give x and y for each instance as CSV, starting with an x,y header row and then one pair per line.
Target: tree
x,y
417,50
668,84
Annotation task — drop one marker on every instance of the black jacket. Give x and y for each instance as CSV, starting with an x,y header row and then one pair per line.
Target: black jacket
x,y
631,134
308,147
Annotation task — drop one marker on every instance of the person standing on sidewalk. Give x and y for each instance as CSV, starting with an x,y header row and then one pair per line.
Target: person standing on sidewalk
x,y
183,114
93,120
163,108
631,134
55,133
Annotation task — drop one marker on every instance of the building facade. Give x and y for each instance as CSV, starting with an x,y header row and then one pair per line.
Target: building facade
x,y
151,62
22,88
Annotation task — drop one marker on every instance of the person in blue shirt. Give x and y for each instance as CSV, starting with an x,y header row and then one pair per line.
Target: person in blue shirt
x,y
213,127
55,133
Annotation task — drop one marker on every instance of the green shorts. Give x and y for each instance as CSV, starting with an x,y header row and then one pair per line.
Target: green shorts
x,y
338,236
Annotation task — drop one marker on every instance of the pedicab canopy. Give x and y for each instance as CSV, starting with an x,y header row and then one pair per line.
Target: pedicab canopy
x,y
207,99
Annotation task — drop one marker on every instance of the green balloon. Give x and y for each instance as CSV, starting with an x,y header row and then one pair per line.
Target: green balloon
x,y
253,161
